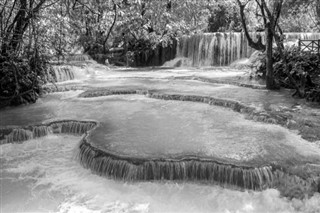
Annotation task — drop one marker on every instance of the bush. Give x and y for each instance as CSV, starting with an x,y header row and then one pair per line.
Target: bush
x,y
300,70
21,78
300,65
224,17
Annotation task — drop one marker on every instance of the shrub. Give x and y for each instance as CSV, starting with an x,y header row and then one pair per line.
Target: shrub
x,y
300,70
21,78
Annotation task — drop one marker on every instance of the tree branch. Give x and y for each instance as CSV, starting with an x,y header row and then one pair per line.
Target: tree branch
x,y
256,45
265,7
262,12
6,25
4,6
277,11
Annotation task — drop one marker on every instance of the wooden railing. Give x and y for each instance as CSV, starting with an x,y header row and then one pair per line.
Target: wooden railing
x,y
310,46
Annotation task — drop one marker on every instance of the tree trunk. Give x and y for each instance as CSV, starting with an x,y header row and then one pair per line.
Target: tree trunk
x,y
14,32
270,82
20,27
111,27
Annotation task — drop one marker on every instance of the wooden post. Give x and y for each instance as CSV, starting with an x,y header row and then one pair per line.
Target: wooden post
x,y
299,44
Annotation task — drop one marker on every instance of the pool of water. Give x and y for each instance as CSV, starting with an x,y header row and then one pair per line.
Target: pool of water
x,y
137,126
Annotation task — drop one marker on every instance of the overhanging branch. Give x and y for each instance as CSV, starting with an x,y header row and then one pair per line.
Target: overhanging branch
x,y
258,45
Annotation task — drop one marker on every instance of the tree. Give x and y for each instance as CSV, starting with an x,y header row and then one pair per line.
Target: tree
x,y
15,20
224,16
22,65
269,11
300,16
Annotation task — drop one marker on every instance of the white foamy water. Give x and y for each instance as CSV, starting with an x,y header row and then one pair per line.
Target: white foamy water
x,y
42,176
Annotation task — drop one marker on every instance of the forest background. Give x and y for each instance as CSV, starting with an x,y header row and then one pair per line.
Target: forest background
x,y
34,33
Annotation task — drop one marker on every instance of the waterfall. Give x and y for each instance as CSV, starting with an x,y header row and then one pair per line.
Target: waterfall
x,y
188,168
13,135
213,49
61,73
303,36
221,49
18,135
73,127
78,57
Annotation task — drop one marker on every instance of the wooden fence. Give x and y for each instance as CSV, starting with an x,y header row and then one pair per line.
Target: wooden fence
x,y
310,46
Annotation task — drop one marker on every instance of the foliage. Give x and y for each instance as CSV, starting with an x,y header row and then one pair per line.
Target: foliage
x,y
300,70
300,16
300,64
22,77
269,11
224,16
32,30
22,63
56,32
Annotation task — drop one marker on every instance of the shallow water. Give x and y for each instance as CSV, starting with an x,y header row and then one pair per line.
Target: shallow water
x,y
138,126
42,176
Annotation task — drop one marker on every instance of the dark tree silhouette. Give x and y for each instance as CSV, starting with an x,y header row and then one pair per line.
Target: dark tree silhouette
x,y
270,14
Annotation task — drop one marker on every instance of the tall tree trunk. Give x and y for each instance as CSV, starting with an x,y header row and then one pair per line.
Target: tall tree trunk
x,y
111,27
20,27
270,82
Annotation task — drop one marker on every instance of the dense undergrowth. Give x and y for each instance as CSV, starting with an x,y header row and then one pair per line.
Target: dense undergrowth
x,y
297,70
21,78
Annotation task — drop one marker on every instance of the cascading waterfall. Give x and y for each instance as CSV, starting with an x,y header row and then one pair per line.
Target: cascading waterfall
x,y
18,135
78,57
62,73
190,168
187,169
12,135
221,49
303,36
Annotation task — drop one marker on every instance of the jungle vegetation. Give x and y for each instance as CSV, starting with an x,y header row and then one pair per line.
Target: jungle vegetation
x,y
35,32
